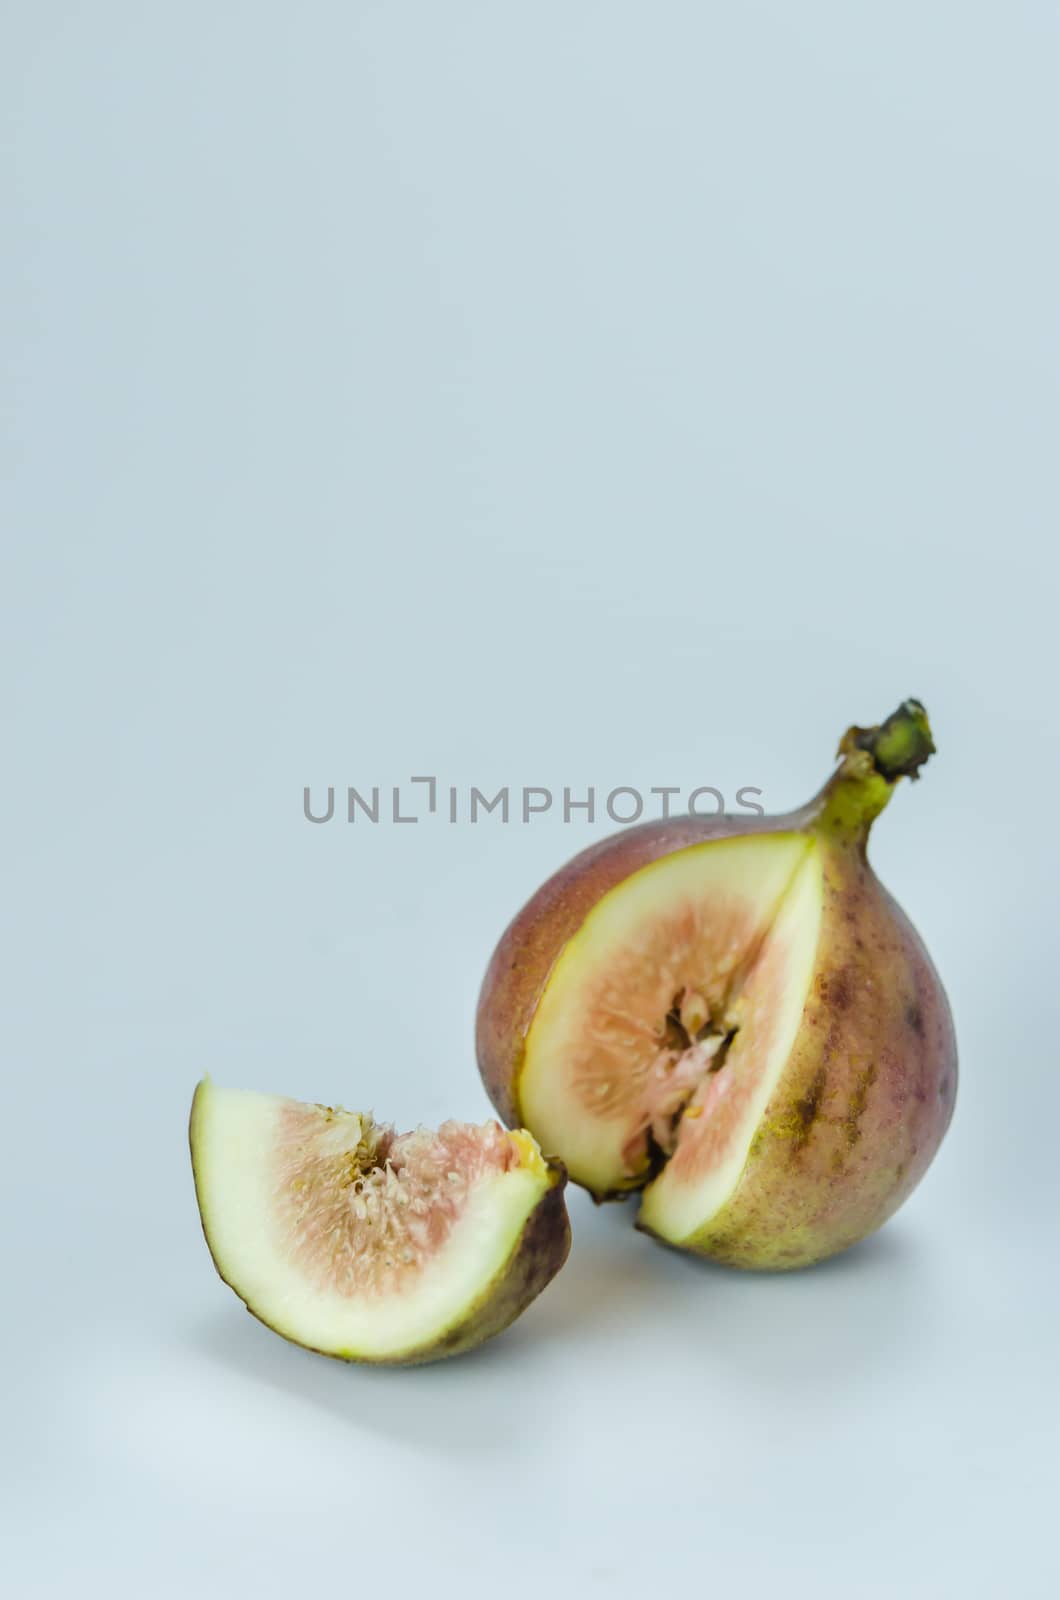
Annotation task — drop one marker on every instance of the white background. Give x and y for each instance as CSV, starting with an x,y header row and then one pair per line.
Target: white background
x,y
556,394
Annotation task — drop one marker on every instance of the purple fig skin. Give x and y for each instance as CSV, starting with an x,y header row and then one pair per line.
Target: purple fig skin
x,y
868,1091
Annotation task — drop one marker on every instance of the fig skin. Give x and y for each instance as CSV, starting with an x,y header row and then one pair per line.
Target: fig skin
x,y
868,1090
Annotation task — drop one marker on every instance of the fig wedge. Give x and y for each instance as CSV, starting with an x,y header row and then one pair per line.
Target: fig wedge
x,y
368,1245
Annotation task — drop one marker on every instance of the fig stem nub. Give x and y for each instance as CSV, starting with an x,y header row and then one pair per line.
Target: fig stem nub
x,y
900,746
871,761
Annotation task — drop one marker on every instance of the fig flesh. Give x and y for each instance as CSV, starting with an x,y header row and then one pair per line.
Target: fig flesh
x,y
733,1017
369,1245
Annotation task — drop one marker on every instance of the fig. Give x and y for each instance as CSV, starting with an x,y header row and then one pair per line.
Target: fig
x,y
368,1245
731,1016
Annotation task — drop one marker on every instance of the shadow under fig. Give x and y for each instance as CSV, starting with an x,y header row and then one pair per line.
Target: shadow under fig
x,y
609,1274
614,1277
426,1406
613,1273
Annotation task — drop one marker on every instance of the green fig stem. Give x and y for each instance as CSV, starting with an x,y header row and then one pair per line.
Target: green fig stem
x,y
871,761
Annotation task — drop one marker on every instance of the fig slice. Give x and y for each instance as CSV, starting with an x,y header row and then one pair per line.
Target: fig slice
x,y
368,1245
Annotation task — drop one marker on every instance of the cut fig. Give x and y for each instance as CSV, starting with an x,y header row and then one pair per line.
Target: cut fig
x,y
731,1016
369,1245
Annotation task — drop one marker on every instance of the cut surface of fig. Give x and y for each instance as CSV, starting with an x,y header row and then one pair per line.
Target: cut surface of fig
x,y
362,1243
725,1110
651,1004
